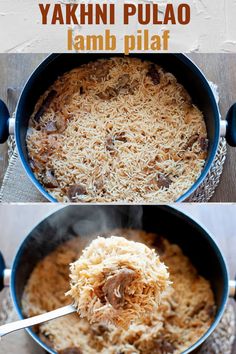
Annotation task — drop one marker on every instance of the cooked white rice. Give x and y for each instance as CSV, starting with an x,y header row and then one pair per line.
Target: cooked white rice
x,y
114,130
184,315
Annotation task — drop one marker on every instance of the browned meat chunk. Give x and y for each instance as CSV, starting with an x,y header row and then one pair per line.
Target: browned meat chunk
x,y
123,81
187,98
191,141
99,329
110,146
210,309
99,185
203,143
100,294
198,308
121,137
36,166
154,74
51,127
99,71
162,346
70,351
123,86
44,336
57,126
46,103
110,141
49,180
76,190
114,287
108,94
163,181
61,124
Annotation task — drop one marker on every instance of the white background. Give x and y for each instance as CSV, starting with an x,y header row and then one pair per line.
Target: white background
x,y
212,28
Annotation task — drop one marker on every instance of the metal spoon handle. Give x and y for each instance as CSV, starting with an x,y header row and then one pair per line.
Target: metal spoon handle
x,y
28,322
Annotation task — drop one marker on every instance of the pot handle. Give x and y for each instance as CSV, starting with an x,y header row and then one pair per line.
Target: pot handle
x,y
4,122
232,289
2,270
231,126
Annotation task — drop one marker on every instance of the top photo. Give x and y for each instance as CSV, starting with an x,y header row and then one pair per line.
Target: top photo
x,y
111,128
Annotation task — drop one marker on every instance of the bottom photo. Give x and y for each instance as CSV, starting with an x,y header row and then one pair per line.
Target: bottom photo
x,y
117,279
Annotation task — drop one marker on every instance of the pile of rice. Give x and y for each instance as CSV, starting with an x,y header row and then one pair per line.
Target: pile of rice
x,y
186,311
115,130
116,281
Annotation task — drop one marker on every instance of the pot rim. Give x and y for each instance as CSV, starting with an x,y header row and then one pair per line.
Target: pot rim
x,y
168,209
182,57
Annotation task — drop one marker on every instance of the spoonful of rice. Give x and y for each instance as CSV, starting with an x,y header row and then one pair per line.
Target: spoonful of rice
x,y
115,281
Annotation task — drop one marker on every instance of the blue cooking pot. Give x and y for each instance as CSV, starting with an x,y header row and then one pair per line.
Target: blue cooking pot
x,y
83,220
180,65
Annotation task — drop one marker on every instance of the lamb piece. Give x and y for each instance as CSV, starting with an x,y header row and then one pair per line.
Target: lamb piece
x,y
163,181
99,70
123,81
162,346
114,287
108,94
61,124
57,126
36,166
51,127
44,337
191,141
210,309
100,294
198,308
72,350
76,190
99,329
186,97
154,74
122,86
110,146
110,141
99,185
45,105
204,142
121,137
49,180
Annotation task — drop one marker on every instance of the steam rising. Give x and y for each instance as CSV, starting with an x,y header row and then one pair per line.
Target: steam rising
x,y
69,222
82,220
100,220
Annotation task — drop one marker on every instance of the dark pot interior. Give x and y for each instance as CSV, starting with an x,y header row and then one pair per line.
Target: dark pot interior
x,y
87,219
55,65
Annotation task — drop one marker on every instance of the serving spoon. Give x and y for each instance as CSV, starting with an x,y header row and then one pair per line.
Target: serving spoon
x,y
31,321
